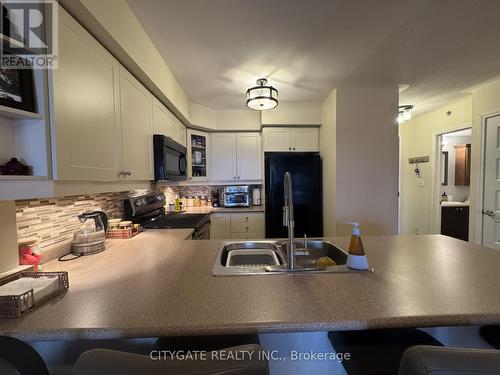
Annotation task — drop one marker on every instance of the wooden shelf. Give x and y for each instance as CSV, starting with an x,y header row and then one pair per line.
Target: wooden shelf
x,y
14,113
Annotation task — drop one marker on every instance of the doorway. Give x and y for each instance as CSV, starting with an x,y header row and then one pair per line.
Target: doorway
x,y
491,184
451,183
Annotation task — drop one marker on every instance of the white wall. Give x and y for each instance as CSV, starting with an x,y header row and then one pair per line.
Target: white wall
x,y
9,258
293,114
416,140
327,146
7,140
458,193
367,160
245,119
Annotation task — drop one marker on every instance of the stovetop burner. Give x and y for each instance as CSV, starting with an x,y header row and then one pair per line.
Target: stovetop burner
x,y
168,221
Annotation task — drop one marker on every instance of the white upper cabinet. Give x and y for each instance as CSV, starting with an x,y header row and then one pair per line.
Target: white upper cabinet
x,y
86,122
223,156
198,155
249,156
181,133
137,140
305,139
277,139
163,121
291,139
236,156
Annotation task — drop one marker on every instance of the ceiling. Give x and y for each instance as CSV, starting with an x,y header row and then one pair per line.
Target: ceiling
x,y
218,48
459,133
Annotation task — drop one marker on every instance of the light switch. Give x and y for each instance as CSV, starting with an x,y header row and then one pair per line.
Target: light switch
x,y
420,182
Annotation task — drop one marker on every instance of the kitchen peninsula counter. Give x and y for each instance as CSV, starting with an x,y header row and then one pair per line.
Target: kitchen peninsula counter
x,y
154,285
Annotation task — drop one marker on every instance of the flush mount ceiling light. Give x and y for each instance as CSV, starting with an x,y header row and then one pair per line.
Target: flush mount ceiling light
x,y
262,97
404,113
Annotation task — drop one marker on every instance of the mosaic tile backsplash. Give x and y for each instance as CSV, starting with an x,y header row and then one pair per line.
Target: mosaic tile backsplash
x,y
53,221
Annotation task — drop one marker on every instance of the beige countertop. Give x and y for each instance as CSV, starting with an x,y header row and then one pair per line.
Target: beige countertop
x,y
152,286
210,209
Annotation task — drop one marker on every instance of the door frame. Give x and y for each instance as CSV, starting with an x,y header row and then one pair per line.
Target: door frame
x,y
436,175
479,217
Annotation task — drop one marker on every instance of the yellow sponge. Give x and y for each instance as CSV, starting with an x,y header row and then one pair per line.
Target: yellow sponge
x,y
325,262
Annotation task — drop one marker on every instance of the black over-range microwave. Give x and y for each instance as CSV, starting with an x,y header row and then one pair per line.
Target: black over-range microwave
x,y
170,159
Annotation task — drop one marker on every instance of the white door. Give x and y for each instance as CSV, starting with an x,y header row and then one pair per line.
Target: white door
x,y
163,120
249,154
277,139
305,139
491,206
87,129
223,157
137,140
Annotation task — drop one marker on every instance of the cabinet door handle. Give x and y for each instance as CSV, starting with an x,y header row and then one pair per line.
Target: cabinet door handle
x,y
289,148
490,213
294,149
238,177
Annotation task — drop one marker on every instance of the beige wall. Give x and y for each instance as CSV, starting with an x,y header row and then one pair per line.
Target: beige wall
x,y
293,114
359,147
416,138
327,146
244,119
9,258
367,160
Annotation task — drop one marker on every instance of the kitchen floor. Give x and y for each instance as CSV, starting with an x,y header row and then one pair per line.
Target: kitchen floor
x,y
60,355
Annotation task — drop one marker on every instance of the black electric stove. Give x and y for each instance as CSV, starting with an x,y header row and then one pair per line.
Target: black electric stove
x,y
148,210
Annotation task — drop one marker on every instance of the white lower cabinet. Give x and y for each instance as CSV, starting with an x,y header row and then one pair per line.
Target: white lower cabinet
x,y
220,226
237,225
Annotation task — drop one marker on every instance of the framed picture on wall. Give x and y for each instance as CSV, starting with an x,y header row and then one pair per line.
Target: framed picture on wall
x,y
17,89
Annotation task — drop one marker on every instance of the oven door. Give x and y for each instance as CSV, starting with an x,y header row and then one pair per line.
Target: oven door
x,y
237,200
202,233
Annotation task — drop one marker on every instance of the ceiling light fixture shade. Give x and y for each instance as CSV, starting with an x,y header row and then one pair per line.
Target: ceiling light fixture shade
x,y
262,97
404,113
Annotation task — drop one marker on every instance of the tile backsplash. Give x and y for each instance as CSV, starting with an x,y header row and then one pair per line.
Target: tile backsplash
x,y
54,220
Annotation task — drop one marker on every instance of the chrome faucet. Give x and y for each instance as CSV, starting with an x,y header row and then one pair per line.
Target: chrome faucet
x,y
288,219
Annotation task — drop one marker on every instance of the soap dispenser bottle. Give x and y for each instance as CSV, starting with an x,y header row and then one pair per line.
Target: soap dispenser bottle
x,y
356,258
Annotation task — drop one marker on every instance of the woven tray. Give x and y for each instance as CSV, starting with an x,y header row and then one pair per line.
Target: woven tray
x,y
122,233
14,306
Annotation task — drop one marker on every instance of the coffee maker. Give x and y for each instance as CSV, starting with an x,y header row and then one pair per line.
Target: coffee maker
x,y
90,240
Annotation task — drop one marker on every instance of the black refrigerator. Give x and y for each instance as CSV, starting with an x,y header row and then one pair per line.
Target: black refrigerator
x,y
306,170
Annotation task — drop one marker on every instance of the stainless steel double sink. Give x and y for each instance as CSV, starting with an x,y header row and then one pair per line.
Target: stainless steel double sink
x,y
263,257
